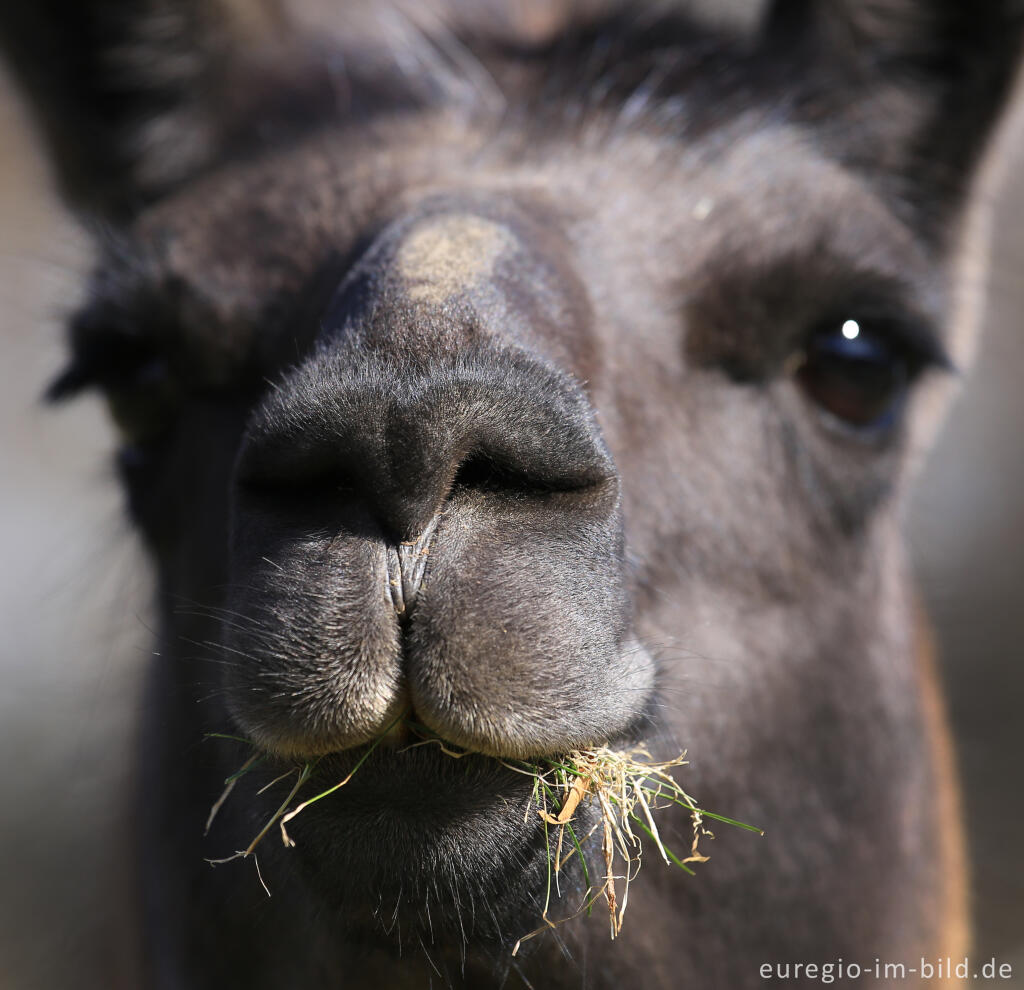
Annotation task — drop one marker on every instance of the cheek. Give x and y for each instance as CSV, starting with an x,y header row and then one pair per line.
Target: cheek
x,y
737,480
178,495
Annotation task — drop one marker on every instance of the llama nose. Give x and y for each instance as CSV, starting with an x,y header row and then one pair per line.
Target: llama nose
x,y
430,374
399,440
434,396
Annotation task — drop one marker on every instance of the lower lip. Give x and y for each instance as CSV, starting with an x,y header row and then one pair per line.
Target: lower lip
x,y
414,777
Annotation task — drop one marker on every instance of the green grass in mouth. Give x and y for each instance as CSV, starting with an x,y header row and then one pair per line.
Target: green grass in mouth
x,y
628,788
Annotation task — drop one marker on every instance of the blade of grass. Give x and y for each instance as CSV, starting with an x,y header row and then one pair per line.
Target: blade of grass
x,y
303,777
249,764
277,780
582,859
718,818
224,735
668,852
229,786
547,895
729,821
285,838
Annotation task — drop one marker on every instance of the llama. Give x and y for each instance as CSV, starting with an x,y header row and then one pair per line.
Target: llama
x,y
549,377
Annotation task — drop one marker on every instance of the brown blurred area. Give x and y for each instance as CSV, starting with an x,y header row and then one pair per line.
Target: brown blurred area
x,y
967,538
73,599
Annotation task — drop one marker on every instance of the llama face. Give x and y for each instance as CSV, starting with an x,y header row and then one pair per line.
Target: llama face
x,y
608,413
576,417
506,380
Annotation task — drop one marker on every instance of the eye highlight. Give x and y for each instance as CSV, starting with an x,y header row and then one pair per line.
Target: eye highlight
x,y
860,370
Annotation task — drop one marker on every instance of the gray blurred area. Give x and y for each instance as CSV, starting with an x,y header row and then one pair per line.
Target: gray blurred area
x,y
73,599
73,603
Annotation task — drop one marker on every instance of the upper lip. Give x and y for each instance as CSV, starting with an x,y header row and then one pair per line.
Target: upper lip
x,y
406,567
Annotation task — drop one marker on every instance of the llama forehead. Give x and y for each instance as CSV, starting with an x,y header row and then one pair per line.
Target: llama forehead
x,y
758,190
723,214
768,182
759,218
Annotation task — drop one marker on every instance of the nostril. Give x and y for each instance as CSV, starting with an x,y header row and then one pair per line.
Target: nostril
x,y
480,473
483,473
287,465
389,445
284,484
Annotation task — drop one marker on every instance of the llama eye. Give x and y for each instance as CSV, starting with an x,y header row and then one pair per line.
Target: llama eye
x,y
859,372
138,383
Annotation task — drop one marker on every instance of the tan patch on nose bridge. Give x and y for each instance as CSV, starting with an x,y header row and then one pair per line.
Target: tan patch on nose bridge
x,y
449,256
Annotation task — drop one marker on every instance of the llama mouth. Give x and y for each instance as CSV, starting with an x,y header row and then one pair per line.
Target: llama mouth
x,y
414,820
479,621
408,774
390,811
415,826
308,707
426,825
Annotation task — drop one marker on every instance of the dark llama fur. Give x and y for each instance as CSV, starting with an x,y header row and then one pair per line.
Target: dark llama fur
x,y
643,323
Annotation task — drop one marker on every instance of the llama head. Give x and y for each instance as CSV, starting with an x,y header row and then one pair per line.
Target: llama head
x,y
504,373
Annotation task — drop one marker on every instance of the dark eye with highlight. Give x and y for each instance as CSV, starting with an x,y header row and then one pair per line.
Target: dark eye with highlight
x,y
860,370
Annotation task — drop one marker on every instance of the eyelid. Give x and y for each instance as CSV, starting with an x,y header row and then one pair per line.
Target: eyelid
x,y
914,337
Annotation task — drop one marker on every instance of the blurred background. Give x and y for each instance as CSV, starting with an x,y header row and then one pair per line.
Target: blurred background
x,y
73,595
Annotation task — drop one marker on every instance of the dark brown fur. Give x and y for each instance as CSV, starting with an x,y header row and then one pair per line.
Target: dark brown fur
x,y
546,281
